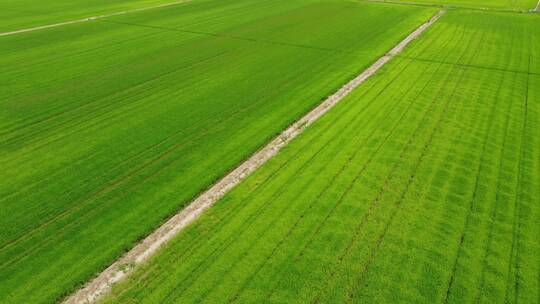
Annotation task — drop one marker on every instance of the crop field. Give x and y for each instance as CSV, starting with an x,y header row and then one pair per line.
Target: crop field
x,y
512,5
109,127
18,14
422,186
512,44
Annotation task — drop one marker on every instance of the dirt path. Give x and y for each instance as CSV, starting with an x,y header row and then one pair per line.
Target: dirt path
x,y
96,288
32,29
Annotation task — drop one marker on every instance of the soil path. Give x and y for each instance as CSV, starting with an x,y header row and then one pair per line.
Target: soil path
x,y
32,29
100,285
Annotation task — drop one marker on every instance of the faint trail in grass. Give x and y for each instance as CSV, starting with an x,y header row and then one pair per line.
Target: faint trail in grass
x,y
366,216
472,200
538,257
384,188
397,207
516,227
325,189
217,35
92,18
482,67
114,273
493,213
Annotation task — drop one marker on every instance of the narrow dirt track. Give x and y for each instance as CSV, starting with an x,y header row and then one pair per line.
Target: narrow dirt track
x,y
32,29
100,285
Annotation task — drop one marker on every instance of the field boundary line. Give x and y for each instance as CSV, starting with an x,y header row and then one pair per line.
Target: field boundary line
x,y
122,267
452,6
92,18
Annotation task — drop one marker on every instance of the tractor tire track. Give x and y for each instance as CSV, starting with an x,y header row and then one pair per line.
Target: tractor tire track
x,y
375,202
493,211
397,206
473,198
516,229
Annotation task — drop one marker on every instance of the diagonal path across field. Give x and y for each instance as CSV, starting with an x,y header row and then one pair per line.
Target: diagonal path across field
x,y
149,246
109,129
421,185
91,18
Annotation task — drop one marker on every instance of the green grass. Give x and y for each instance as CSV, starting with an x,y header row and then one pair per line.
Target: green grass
x,y
512,44
19,14
510,5
422,186
110,127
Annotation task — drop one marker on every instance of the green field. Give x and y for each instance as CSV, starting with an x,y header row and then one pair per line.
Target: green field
x,y
422,186
107,128
511,5
19,14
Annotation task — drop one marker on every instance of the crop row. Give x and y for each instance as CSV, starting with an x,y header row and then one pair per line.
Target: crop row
x,y
422,186
109,127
